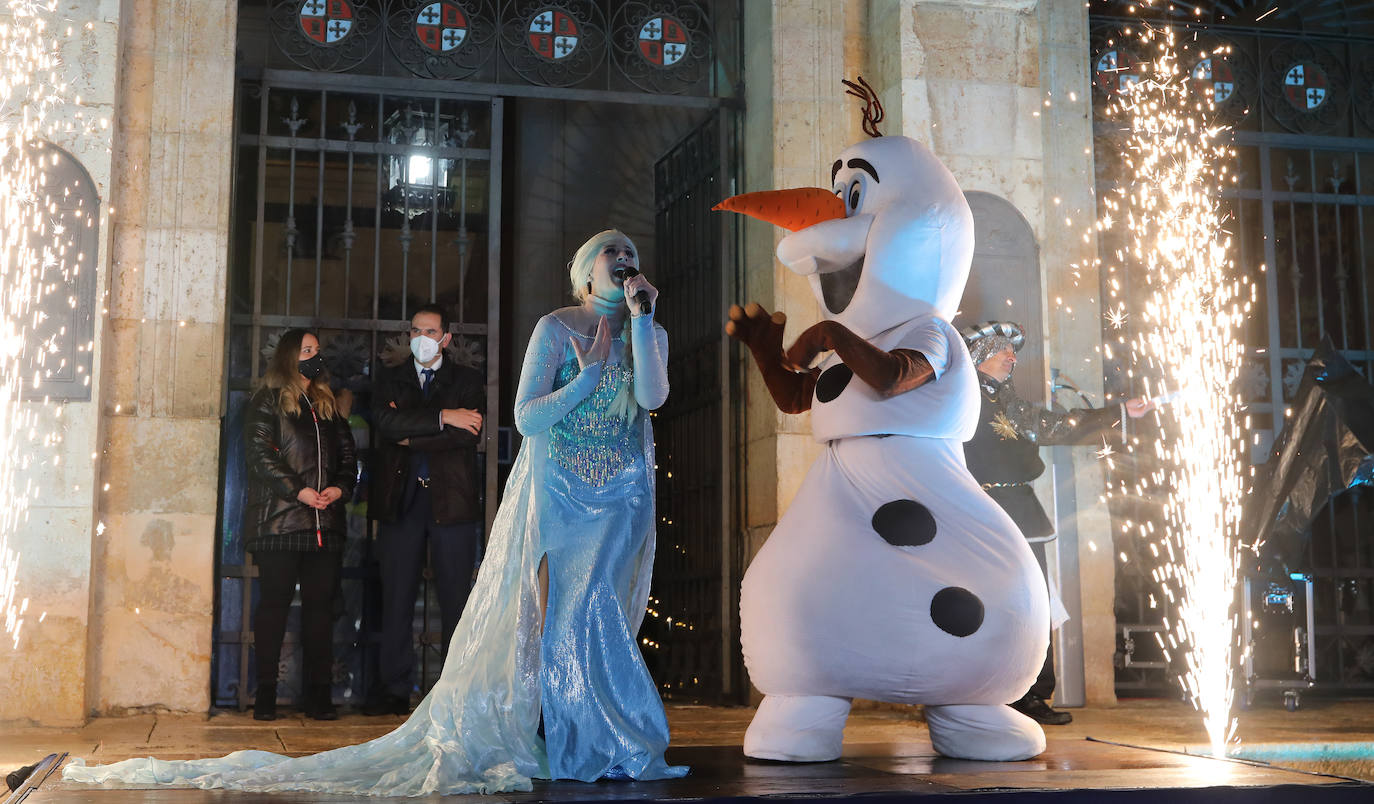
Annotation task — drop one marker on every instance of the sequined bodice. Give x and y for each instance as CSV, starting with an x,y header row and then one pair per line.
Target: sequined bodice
x,y
590,441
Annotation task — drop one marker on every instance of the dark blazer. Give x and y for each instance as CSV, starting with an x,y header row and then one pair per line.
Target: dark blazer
x,y
285,454
451,450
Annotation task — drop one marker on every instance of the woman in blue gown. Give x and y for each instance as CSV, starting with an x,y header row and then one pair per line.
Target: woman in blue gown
x,y
544,677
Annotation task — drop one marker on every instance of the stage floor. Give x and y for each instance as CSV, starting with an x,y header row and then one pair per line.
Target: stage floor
x,y
1136,751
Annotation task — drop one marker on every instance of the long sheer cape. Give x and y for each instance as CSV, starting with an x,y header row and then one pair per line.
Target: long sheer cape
x,y
476,731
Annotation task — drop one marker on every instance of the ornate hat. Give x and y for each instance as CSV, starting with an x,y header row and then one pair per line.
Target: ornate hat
x,y
987,339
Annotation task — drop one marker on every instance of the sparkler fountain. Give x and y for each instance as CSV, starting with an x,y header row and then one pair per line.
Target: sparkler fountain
x,y
1188,347
32,97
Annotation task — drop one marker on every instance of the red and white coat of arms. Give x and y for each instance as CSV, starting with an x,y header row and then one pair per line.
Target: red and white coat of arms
x,y
326,21
441,26
662,41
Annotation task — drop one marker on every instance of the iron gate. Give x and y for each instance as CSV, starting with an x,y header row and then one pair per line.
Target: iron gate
x,y
690,639
351,209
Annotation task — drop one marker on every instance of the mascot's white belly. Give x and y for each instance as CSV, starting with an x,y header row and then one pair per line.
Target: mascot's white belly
x,y
952,610
893,575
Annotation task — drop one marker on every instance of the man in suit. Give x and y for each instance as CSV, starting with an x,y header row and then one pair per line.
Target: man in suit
x,y
424,495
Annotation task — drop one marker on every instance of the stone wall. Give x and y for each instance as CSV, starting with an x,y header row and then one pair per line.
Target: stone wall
x,y
118,556
43,680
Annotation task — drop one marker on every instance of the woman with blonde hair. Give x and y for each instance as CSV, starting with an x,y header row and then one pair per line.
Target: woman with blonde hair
x,y
543,677
301,466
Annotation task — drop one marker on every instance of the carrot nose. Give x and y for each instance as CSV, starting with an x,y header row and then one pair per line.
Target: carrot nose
x,y
791,209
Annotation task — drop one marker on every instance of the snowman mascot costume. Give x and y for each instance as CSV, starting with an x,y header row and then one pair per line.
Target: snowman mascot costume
x,y
892,576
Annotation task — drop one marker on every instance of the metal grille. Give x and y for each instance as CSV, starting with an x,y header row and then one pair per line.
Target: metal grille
x,y
690,638
661,47
351,209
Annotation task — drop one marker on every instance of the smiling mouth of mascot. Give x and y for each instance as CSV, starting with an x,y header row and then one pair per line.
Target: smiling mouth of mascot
x,y
838,287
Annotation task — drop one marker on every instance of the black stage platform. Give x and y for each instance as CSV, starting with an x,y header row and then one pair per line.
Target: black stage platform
x,y
1070,770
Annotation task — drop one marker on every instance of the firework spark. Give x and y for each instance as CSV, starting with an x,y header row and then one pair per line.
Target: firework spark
x,y
1188,341
33,109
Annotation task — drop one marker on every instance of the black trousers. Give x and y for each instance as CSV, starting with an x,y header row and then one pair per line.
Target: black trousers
x,y
402,545
279,571
1044,683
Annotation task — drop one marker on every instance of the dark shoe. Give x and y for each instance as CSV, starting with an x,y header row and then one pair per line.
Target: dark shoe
x,y
18,777
265,704
1035,708
319,704
386,705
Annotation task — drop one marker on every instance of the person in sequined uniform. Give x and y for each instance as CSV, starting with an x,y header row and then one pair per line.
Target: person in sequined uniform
x,y
1004,456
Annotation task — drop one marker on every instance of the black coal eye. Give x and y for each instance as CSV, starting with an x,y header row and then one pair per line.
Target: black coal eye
x,y
854,193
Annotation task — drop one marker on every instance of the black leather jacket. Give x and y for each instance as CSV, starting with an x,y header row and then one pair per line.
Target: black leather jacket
x,y
400,412
285,454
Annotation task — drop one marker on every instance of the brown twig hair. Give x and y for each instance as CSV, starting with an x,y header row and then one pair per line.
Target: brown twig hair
x,y
873,108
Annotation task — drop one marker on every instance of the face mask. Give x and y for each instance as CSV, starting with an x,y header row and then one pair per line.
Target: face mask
x,y
424,349
311,368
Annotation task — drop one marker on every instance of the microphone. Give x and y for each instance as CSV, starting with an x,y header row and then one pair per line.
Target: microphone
x,y
642,296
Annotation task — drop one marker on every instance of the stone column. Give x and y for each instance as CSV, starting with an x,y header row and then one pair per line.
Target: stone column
x,y
797,118
153,564
1075,329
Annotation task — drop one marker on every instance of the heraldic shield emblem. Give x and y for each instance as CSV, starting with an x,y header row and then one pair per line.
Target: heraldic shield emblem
x,y
662,41
553,34
442,27
1115,70
1305,86
1214,74
326,22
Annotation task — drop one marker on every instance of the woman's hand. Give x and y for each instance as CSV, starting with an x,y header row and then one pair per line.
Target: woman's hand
x,y
632,287
312,498
600,348
330,495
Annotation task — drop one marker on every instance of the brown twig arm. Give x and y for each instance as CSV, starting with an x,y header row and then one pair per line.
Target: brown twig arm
x,y
888,373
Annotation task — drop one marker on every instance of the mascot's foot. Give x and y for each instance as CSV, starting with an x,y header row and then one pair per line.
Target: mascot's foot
x,y
797,728
993,733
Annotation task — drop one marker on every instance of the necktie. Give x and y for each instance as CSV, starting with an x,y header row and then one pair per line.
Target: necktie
x,y
421,458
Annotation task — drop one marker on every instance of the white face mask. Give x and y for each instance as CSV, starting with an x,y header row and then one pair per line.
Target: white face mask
x,y
424,349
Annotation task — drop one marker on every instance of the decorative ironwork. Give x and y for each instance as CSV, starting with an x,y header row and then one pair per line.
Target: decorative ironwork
x,y
1305,87
553,43
351,167
693,632
1116,68
326,35
1362,90
1228,73
1336,17
662,46
450,39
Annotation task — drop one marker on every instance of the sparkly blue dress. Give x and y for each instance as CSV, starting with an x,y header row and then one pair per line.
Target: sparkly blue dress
x,y
581,494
